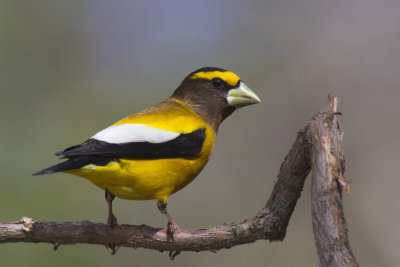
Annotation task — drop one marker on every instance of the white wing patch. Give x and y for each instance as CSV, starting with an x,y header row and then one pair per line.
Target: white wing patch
x,y
127,133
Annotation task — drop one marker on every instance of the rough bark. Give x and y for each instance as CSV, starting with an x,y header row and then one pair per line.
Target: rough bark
x,y
327,163
318,146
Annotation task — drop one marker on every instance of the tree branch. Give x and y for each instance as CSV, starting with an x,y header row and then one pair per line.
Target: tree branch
x,y
269,223
318,145
327,161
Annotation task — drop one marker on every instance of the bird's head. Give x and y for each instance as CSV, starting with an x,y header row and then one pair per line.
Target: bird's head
x,y
214,94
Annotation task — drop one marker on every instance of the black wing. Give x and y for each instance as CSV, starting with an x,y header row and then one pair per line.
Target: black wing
x,y
185,145
100,152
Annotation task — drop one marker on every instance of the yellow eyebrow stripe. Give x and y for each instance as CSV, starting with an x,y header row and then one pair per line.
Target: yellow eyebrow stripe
x,y
231,78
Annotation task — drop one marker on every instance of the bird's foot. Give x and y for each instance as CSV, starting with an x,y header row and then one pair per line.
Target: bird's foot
x,y
172,228
173,254
112,221
113,248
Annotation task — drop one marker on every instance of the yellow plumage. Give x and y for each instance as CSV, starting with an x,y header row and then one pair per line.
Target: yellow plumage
x,y
158,151
142,179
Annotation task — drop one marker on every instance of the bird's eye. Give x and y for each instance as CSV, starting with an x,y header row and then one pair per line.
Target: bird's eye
x,y
217,83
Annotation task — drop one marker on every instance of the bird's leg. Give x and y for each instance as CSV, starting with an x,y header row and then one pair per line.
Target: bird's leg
x,y
172,226
112,220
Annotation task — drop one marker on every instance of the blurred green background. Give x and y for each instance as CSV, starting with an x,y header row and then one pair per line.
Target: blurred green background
x,y
71,68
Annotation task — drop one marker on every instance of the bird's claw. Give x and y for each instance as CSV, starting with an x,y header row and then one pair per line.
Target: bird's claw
x,y
113,248
173,254
171,229
112,221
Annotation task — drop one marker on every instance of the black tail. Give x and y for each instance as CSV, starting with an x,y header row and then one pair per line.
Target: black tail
x,y
66,165
76,163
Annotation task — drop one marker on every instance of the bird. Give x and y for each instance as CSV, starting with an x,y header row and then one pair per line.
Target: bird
x,y
158,151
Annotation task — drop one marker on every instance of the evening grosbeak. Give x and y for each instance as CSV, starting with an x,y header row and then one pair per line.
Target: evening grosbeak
x,y
158,151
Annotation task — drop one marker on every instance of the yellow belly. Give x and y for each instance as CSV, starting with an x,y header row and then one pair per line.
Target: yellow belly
x,y
143,179
154,178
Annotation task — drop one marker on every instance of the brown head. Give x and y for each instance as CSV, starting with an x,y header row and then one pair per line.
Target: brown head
x,y
214,93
